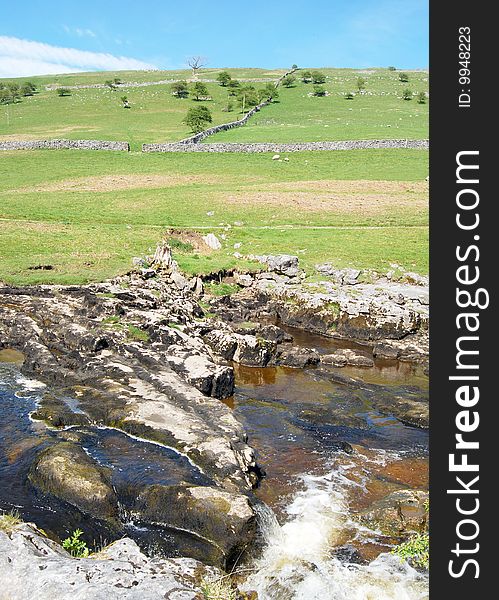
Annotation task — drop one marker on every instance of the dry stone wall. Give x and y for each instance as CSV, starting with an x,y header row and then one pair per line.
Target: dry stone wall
x,y
64,145
290,147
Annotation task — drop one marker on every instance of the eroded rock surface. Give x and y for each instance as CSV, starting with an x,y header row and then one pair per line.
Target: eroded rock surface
x,y
32,566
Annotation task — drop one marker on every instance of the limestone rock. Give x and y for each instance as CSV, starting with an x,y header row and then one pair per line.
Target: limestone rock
x,y
399,512
66,471
32,566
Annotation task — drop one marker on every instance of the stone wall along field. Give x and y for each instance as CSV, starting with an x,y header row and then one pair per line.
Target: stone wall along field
x,y
64,145
290,147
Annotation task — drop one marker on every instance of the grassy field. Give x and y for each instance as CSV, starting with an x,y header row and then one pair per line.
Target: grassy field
x,y
156,116
71,217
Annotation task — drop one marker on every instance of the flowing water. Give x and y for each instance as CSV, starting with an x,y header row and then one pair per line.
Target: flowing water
x,y
312,544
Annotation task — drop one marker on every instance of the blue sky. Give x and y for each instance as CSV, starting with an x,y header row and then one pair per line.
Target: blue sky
x,y
46,36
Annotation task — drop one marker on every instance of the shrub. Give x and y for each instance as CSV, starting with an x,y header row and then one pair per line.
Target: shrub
x,y
350,96
318,77
306,76
288,81
392,68
407,94
218,589
197,118
76,547
8,521
403,77
124,101
224,78
361,84
63,91
319,90
180,89
416,550
199,90
421,98
110,84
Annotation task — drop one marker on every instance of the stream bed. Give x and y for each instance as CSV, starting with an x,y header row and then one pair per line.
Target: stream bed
x,y
328,452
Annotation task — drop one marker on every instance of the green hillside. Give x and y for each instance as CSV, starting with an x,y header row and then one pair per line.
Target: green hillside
x,y
156,116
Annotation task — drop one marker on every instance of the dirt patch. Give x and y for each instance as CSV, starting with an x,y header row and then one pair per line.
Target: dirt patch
x,y
111,183
366,197
189,238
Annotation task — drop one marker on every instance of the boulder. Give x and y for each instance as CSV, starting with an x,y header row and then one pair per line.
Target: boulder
x,y
253,351
345,356
212,241
66,471
398,513
297,357
226,520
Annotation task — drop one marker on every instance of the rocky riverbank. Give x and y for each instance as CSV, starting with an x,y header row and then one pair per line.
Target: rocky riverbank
x,y
150,355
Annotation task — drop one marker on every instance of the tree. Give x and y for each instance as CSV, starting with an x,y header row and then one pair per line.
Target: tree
x,y
110,84
117,81
180,89
197,118
247,97
318,77
403,77
392,68
288,81
233,86
5,96
28,88
224,78
63,91
15,91
268,92
361,84
319,90
294,67
124,101
306,76
421,98
196,63
199,90
407,94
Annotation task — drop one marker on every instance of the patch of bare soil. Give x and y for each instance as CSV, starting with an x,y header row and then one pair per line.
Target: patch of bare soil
x,y
367,197
110,183
192,238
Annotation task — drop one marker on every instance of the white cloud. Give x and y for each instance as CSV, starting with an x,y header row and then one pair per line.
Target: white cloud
x,y
21,58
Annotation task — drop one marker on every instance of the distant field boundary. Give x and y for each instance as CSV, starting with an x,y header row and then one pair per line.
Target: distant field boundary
x,y
291,147
64,145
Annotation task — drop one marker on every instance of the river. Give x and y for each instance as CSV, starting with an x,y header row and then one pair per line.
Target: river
x,y
303,424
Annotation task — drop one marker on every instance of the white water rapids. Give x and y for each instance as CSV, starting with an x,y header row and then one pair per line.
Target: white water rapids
x,y
297,562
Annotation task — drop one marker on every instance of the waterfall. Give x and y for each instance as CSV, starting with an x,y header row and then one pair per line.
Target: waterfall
x,y
297,562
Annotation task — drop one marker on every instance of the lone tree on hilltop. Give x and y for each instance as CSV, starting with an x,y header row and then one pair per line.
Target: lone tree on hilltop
x,y
224,78
288,81
392,68
197,118
180,89
306,76
199,90
403,77
63,91
294,67
196,63
318,77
